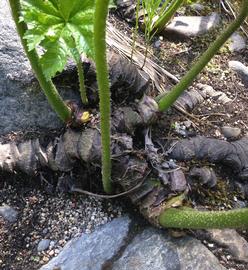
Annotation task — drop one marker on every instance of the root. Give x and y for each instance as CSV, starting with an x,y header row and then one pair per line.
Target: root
x,y
233,154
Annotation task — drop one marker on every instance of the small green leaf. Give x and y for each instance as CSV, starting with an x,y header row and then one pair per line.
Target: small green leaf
x,y
54,59
41,5
65,8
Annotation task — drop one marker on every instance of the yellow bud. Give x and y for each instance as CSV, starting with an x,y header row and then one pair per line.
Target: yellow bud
x,y
85,117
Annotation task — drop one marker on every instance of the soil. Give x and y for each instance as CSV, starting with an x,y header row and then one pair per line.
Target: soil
x,y
32,197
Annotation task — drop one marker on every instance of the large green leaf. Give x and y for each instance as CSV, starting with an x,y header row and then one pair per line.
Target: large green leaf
x,y
63,28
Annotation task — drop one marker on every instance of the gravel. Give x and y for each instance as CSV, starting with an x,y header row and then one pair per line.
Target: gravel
x,y
46,223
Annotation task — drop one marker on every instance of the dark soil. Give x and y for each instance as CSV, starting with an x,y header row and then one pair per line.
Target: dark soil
x,y
32,199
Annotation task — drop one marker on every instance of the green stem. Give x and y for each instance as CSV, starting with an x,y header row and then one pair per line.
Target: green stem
x,y
167,15
48,87
81,83
101,14
193,219
166,100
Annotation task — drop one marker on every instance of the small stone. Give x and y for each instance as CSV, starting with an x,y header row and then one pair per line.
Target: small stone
x,y
157,44
178,181
45,259
56,251
205,174
43,245
187,123
230,239
8,213
230,132
197,6
191,26
241,69
52,244
45,231
237,43
51,252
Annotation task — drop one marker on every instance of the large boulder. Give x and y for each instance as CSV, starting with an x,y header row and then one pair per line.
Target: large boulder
x,y
23,105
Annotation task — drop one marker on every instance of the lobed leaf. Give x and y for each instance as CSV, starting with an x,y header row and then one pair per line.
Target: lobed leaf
x,y
54,59
63,28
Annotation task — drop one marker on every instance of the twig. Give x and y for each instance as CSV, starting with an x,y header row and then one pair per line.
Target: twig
x,y
102,196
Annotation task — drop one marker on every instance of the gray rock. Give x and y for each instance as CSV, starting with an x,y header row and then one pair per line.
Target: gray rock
x,y
230,132
150,250
191,26
155,250
43,245
194,255
208,91
237,43
241,69
230,239
178,181
22,104
157,44
8,213
92,251
197,6
205,174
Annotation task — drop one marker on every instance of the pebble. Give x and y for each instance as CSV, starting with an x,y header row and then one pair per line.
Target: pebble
x,y
191,26
157,44
45,259
43,245
230,132
197,6
237,43
241,69
8,213
52,244
51,252
231,240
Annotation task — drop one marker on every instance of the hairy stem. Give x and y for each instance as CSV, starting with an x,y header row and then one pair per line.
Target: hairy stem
x,y
165,18
81,83
101,14
193,219
48,87
166,100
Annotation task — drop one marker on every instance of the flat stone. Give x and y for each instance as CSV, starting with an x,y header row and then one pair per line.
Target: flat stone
x,y
237,43
22,103
8,213
149,250
230,132
241,69
43,245
92,251
230,239
194,255
191,26
155,250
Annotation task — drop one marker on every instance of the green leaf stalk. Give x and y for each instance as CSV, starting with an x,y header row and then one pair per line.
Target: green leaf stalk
x,y
166,100
81,83
47,86
101,13
159,25
188,218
